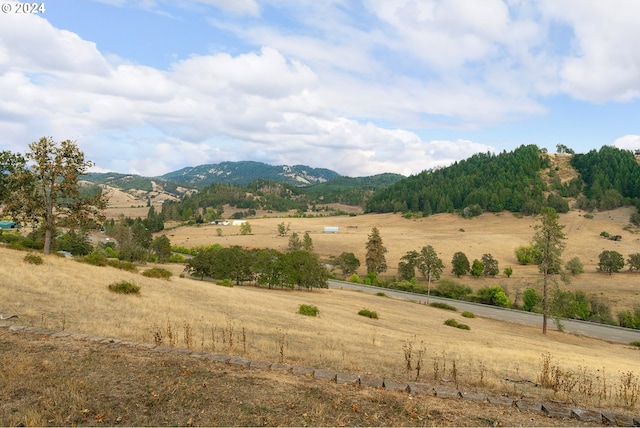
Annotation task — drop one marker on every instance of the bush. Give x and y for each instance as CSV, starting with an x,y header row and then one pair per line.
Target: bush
x,y
453,323
121,264
354,278
527,255
309,310
225,283
124,287
33,259
157,272
451,289
443,306
494,296
95,258
635,343
176,258
381,294
368,313
468,314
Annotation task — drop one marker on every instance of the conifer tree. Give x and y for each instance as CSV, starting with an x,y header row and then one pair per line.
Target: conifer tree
x,y
375,258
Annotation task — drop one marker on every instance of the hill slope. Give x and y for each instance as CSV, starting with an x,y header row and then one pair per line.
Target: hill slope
x,y
244,172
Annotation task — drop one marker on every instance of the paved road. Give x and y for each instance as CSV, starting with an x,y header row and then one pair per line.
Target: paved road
x,y
600,331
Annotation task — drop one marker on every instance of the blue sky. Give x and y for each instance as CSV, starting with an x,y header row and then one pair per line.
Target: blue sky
x,y
151,86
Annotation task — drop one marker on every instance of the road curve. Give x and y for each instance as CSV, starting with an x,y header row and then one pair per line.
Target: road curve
x,y
600,331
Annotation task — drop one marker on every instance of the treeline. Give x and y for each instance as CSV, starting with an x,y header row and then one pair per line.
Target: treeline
x,y
484,182
299,269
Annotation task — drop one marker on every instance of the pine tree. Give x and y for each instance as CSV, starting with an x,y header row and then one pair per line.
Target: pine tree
x,y
548,242
375,259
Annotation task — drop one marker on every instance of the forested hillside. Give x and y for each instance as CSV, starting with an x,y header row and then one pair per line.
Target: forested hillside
x,y
611,177
487,182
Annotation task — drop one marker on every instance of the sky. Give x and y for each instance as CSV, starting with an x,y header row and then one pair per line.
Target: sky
x,y
359,87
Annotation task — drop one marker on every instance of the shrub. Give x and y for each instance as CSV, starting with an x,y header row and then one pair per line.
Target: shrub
x,y
635,343
574,266
468,314
225,283
443,306
527,255
309,310
453,323
124,287
588,216
451,289
95,258
33,259
368,313
121,264
381,294
605,234
157,272
354,278
493,296
176,258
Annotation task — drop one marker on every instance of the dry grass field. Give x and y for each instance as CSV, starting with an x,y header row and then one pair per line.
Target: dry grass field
x,y
265,324
497,234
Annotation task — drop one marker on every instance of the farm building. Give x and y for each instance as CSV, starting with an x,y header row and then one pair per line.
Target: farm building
x,y
330,229
11,225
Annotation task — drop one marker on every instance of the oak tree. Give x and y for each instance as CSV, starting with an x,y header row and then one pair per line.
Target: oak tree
x,y
51,192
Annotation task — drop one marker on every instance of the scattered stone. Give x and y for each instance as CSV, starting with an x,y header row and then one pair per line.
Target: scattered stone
x,y
199,355
302,371
181,351
420,388
325,374
281,367
111,341
78,336
61,334
617,419
528,406
239,361
218,358
447,392
474,396
17,327
371,382
347,378
586,415
500,400
395,386
261,365
556,410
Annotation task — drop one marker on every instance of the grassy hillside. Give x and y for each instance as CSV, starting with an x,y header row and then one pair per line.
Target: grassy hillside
x,y
265,324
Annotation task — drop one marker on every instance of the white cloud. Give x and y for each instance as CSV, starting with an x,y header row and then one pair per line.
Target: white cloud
x,y
628,142
604,65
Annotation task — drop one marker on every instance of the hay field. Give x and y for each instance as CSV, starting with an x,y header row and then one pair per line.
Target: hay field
x,y
264,324
497,234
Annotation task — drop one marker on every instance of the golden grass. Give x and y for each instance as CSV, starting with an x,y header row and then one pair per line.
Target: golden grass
x,y
497,234
265,324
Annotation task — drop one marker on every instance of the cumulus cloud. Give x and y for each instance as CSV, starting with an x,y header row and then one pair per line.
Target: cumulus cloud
x,y
628,142
356,91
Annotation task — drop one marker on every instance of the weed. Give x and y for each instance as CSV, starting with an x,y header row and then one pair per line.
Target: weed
x,y
188,335
636,344
468,314
446,306
33,259
407,347
628,389
124,287
96,258
157,272
419,359
309,310
368,313
281,343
